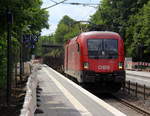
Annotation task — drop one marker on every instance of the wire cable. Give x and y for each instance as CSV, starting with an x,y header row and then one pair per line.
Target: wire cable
x,y
83,4
54,4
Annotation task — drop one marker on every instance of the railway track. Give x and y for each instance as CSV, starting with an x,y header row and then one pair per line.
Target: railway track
x,y
136,90
125,102
132,106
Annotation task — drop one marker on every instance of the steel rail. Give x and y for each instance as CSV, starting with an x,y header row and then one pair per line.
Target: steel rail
x,y
132,106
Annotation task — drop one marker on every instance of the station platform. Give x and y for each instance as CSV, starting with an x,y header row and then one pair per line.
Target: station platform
x,y
138,73
140,77
62,97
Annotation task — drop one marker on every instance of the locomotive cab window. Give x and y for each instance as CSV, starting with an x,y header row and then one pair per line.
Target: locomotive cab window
x,y
102,48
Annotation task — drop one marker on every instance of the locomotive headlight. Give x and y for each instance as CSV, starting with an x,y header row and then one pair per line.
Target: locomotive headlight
x,y
85,65
120,65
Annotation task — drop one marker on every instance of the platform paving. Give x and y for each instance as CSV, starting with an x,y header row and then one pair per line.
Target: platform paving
x,y
138,73
62,97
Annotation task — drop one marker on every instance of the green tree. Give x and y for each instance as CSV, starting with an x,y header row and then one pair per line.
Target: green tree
x,y
44,40
113,15
121,16
28,17
138,33
67,28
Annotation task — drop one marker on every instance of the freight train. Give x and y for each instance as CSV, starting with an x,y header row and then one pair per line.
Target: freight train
x,y
96,57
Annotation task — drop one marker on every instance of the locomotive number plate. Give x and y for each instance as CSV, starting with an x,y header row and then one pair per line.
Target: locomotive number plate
x,y
103,67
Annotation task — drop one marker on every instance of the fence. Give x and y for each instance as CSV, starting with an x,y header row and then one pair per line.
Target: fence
x,y
141,66
137,89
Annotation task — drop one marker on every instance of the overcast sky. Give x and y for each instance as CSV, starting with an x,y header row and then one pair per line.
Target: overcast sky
x,y
77,12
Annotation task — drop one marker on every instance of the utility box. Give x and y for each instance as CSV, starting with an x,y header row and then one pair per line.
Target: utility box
x,y
128,63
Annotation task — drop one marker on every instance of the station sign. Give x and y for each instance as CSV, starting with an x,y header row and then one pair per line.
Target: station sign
x,y
29,40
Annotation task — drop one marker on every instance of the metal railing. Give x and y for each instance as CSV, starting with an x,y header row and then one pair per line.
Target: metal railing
x,y
137,89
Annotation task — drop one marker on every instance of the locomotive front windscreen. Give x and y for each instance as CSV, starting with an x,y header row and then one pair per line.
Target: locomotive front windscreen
x,y
102,48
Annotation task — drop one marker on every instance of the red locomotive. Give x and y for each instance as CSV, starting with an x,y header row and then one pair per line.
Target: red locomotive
x,y
96,57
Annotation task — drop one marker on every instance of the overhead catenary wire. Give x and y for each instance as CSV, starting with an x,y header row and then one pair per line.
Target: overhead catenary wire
x,y
77,3
53,1
56,3
95,5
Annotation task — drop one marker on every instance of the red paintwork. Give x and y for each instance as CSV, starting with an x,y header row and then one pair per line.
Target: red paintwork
x,y
76,59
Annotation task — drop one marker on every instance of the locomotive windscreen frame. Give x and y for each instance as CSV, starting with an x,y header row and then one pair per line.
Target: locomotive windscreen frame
x,y
102,48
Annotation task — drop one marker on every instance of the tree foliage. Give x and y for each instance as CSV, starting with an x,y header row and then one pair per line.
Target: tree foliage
x,y
67,28
138,31
44,40
130,18
28,18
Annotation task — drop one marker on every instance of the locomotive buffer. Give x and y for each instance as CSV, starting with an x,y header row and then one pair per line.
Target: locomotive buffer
x,y
62,97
